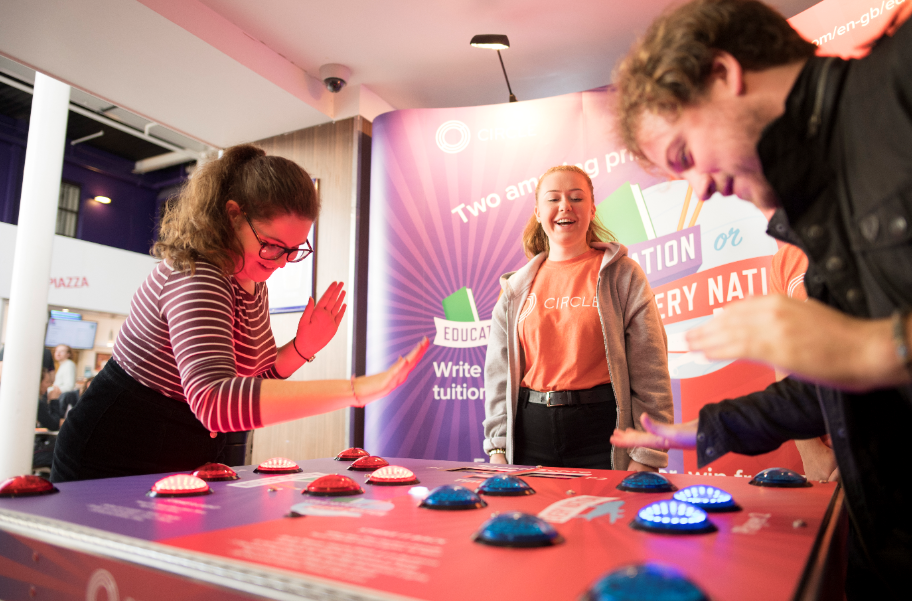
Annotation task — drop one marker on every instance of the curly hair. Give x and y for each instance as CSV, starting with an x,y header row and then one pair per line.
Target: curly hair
x,y
535,241
668,69
196,225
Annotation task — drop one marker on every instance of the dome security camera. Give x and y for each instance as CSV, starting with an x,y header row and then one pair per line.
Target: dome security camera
x,y
335,76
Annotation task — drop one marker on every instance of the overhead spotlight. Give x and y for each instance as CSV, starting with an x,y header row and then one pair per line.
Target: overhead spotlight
x,y
103,200
335,76
498,42
494,41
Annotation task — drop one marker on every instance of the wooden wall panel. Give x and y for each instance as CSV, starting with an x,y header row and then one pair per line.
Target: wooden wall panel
x,y
328,153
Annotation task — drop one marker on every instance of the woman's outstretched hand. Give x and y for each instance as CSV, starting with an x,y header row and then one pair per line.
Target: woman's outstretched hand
x,y
657,436
371,388
320,321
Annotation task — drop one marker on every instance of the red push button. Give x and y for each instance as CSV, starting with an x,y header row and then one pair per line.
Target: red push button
x,y
352,454
278,465
215,472
26,486
392,475
180,485
333,485
366,464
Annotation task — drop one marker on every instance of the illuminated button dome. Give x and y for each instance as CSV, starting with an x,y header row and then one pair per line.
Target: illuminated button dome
x,y
452,496
367,464
215,472
392,475
646,482
505,486
278,465
333,485
707,498
673,517
352,454
649,582
26,486
780,477
516,529
180,485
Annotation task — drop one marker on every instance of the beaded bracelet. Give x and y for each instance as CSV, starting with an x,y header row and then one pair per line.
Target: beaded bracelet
x,y
294,343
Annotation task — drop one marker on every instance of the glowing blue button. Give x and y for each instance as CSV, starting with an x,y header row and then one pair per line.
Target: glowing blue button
x,y
707,498
780,477
646,482
649,582
517,529
452,496
672,517
505,486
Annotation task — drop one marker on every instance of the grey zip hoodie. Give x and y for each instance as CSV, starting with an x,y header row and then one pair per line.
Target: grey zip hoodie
x,y
636,349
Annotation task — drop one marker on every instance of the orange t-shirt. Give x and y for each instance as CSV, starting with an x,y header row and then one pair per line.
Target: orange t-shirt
x,y
788,269
559,327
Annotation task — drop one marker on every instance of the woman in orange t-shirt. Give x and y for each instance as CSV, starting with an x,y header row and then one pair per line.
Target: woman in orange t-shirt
x,y
577,347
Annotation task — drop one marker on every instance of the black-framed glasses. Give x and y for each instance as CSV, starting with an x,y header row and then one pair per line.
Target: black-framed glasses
x,y
271,252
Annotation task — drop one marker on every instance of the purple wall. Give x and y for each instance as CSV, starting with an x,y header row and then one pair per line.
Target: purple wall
x,y
127,223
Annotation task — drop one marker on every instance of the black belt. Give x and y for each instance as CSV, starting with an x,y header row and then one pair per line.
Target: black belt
x,y
557,398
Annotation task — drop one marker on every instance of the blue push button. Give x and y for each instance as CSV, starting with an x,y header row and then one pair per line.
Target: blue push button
x,y
505,486
517,529
452,496
648,582
646,482
672,517
707,498
780,477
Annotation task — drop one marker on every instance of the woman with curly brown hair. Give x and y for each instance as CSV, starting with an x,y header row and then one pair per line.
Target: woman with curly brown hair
x,y
196,357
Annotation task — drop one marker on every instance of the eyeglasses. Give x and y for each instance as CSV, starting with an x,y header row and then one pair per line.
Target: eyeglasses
x,y
271,252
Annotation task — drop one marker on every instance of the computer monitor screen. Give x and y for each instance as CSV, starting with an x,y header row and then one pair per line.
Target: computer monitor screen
x,y
76,334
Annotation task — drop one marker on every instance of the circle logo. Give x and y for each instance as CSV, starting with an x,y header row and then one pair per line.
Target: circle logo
x,y
102,580
464,136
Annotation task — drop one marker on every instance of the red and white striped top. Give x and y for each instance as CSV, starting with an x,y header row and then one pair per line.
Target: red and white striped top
x,y
201,339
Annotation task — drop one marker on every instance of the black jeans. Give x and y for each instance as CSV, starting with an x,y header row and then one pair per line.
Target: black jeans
x,y
566,436
122,428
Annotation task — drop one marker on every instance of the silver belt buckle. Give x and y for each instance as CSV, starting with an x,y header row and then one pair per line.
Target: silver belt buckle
x,y
548,403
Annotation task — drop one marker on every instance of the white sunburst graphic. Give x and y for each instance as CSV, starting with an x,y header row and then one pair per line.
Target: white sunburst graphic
x,y
527,307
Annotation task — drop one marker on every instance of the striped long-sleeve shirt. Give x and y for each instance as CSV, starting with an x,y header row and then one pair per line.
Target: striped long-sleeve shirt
x,y
201,339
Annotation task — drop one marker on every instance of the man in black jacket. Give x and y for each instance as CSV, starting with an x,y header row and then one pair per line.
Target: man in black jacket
x,y
726,95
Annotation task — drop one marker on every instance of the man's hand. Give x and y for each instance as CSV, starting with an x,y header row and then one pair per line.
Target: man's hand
x,y
807,339
320,321
818,459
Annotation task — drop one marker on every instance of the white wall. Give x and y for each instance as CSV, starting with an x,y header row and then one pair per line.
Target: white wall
x,y
84,275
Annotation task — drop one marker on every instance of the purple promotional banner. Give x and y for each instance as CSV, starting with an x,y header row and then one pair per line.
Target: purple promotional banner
x,y
451,192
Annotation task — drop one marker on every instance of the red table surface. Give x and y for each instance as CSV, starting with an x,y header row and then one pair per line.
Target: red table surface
x,y
430,554
383,545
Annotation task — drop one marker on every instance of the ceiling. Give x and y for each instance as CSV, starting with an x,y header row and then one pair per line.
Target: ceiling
x,y
228,71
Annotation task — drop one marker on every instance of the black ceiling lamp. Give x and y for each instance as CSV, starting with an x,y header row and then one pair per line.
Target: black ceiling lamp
x,y
495,42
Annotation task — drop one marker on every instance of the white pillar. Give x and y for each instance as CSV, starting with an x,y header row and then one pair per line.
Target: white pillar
x,y
31,273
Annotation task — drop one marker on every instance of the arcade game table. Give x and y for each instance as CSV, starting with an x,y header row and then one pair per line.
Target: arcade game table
x,y
261,537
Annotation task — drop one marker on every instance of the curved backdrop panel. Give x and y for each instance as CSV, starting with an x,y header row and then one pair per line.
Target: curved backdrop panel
x,y
452,189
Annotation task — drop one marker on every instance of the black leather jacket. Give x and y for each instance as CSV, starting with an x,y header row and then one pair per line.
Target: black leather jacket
x,y
840,160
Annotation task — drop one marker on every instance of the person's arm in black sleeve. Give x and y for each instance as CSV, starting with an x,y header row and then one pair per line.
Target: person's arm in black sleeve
x,y
759,422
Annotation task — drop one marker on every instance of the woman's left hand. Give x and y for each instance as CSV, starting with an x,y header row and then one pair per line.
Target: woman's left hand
x,y
320,321
636,466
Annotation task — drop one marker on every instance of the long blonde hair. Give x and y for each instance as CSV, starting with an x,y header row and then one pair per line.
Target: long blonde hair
x,y
196,224
535,241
